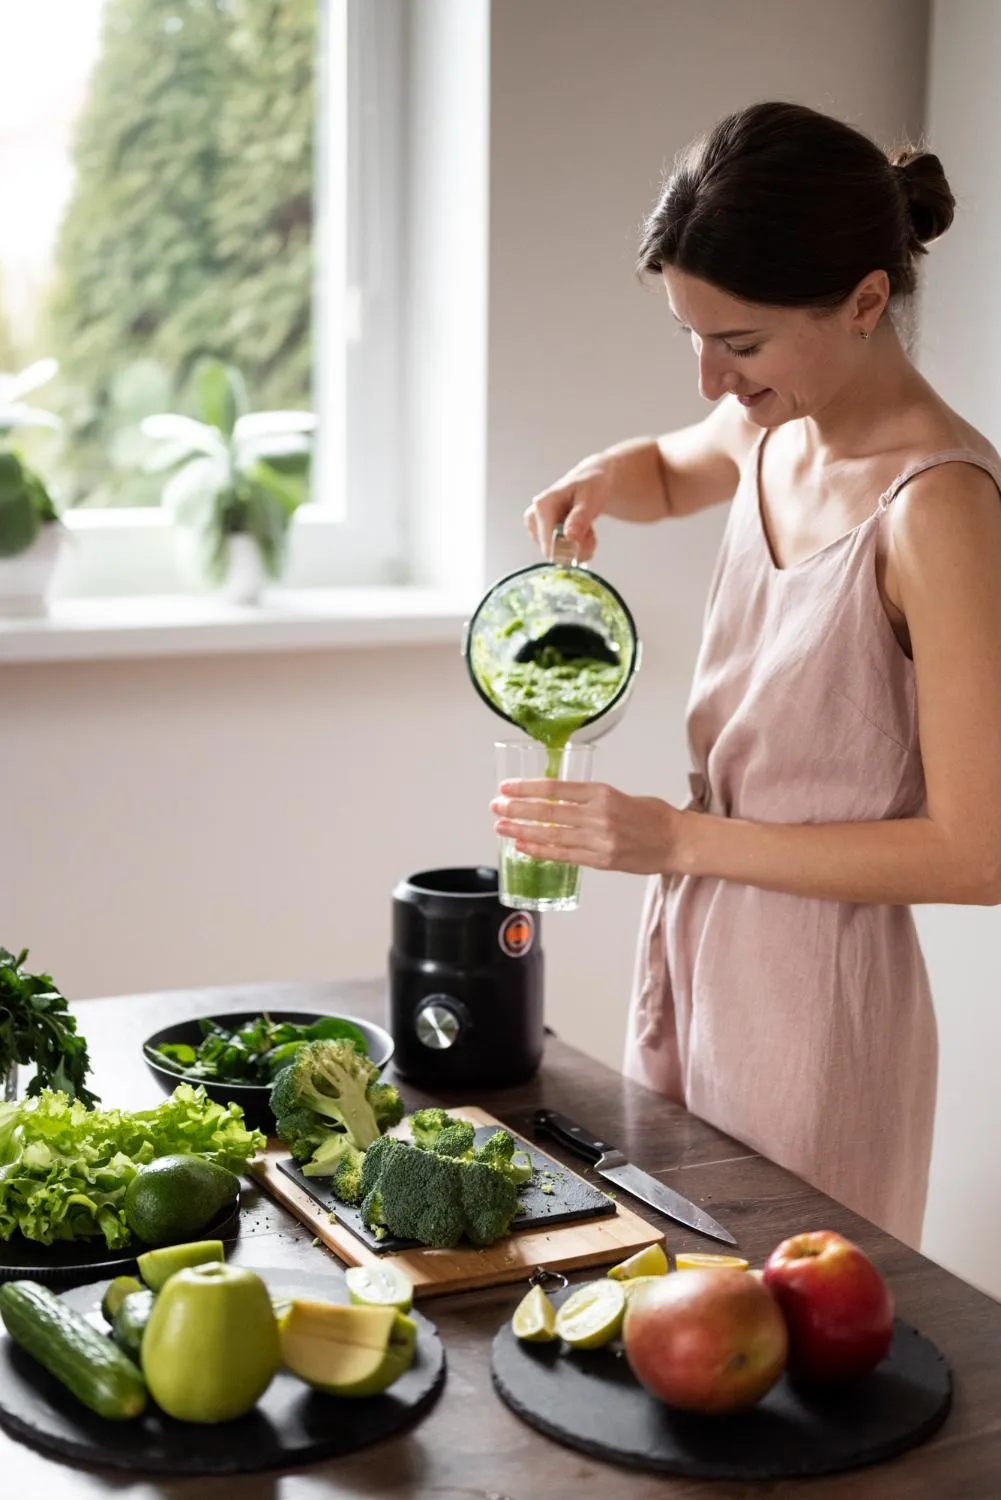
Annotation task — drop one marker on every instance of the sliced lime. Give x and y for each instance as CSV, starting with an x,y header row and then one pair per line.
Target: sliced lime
x,y
651,1261
380,1286
592,1315
534,1319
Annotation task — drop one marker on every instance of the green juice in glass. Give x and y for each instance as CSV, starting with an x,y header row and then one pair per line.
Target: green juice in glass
x,y
550,698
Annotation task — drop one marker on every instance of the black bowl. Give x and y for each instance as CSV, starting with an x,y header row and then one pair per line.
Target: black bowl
x,y
252,1097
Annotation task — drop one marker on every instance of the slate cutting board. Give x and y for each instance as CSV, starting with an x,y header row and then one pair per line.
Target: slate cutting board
x,y
591,1401
568,1200
291,1424
573,1227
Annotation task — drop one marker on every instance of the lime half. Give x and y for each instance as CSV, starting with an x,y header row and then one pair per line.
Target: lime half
x,y
592,1315
380,1286
534,1319
652,1261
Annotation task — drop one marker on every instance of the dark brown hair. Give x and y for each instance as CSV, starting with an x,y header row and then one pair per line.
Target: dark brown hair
x,y
779,204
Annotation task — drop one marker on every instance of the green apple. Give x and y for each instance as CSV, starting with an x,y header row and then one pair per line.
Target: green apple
x,y
211,1345
347,1351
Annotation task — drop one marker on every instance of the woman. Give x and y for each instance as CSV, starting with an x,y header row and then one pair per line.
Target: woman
x,y
781,992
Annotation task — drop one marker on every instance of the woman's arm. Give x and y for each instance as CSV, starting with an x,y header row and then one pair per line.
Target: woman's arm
x,y
944,573
647,479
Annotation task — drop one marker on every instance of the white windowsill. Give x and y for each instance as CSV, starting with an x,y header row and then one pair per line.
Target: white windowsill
x,y
286,620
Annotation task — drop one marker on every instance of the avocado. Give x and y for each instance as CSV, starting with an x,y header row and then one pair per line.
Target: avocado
x,y
176,1197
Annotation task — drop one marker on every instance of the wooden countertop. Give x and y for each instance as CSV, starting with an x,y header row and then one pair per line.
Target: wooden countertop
x,y
470,1447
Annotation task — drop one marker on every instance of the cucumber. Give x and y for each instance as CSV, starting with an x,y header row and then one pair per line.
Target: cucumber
x,y
130,1321
86,1363
118,1290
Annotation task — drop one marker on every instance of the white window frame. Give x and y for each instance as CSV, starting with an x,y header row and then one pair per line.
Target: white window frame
x,y
350,532
410,520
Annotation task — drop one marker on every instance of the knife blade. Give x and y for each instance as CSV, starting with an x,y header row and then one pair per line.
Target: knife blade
x,y
613,1166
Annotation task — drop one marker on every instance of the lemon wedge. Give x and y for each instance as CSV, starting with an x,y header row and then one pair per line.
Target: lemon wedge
x,y
651,1261
380,1286
534,1319
592,1315
697,1261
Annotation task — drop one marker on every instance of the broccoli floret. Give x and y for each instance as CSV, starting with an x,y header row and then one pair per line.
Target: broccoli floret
x,y
371,1212
347,1178
301,1131
455,1140
489,1202
435,1199
426,1126
498,1152
342,1162
420,1197
375,1159
387,1101
332,1079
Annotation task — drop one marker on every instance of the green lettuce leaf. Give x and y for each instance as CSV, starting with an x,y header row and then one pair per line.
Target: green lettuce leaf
x,y
64,1168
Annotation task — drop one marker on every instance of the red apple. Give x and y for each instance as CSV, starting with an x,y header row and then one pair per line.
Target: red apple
x,y
837,1306
708,1341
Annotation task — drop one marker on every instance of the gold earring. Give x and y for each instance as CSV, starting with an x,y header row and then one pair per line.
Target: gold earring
x,y
863,333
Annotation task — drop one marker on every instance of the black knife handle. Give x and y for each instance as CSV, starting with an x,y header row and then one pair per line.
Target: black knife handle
x,y
569,1134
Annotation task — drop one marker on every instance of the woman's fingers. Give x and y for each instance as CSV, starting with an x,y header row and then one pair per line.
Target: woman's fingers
x,y
575,502
548,791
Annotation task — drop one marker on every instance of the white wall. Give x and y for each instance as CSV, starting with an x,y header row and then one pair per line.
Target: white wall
x,y
187,822
961,355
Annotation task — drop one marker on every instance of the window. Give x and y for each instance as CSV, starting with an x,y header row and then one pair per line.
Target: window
x,y
207,177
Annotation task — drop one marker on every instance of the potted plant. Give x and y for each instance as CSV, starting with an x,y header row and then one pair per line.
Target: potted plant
x,y
31,535
236,478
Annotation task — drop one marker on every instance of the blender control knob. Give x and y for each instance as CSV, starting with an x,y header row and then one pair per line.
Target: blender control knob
x,y
438,1021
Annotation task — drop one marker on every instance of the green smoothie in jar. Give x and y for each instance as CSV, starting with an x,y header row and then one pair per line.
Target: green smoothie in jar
x,y
550,697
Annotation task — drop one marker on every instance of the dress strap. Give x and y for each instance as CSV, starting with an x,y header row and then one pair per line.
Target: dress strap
x,y
990,466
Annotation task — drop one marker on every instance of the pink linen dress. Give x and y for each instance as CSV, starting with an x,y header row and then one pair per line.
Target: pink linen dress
x,y
802,1027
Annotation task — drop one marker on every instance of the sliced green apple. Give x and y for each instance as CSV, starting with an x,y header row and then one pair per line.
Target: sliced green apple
x,y
347,1351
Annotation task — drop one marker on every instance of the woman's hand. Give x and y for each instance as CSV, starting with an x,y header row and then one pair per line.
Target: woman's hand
x,y
577,500
587,823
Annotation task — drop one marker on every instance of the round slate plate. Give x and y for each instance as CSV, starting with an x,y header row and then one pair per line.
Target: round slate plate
x,y
291,1424
591,1401
70,1261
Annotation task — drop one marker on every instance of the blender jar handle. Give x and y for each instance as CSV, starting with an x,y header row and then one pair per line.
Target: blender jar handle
x,y
562,550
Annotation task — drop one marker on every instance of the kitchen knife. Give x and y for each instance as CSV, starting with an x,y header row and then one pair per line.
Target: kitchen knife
x,y
612,1165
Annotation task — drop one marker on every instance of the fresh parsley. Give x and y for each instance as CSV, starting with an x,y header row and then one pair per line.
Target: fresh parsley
x,y
36,1027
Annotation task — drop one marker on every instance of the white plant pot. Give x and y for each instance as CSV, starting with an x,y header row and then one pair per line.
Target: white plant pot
x,y
245,575
27,580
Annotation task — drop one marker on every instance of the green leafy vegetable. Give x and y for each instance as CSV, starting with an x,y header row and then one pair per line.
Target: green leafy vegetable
x,y
36,1027
256,1051
64,1168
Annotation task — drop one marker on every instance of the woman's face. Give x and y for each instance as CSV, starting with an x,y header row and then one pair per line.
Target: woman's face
x,y
779,362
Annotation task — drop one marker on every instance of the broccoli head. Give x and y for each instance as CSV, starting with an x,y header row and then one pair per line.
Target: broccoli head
x,y
335,1157
426,1125
489,1202
387,1101
332,1080
498,1152
301,1131
422,1195
455,1140
420,1198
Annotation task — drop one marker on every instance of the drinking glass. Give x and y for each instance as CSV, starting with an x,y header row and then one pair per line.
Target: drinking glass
x,y
527,883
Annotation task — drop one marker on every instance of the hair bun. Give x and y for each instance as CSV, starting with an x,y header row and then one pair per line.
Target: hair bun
x,y
929,197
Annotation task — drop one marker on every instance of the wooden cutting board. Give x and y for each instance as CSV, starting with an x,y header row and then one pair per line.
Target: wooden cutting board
x,y
564,1247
